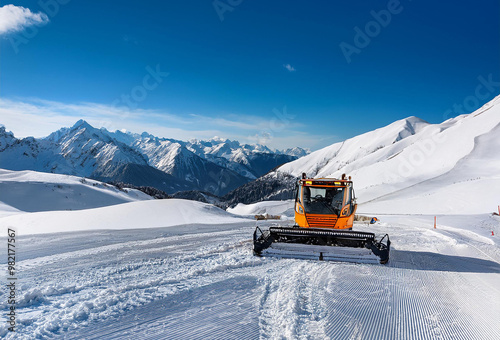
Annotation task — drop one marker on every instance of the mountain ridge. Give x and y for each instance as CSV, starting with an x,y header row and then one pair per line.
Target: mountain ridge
x,y
216,166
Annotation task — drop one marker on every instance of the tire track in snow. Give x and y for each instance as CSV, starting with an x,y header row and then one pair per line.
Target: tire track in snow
x,y
192,314
134,284
291,305
85,279
94,251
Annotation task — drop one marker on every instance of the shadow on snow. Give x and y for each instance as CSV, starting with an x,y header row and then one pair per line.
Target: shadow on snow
x,y
440,262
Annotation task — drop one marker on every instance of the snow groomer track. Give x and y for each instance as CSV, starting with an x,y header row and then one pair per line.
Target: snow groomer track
x,y
202,282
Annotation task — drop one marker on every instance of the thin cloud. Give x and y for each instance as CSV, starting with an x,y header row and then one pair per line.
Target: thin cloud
x,y
289,67
38,118
16,18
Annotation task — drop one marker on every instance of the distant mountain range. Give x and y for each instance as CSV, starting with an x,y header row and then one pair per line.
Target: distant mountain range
x,y
216,166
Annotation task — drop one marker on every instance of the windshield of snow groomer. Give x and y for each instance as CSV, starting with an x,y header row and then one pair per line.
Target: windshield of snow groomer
x,y
323,200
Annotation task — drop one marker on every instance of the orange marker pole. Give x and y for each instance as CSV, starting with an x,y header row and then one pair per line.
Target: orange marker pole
x,y
434,222
499,210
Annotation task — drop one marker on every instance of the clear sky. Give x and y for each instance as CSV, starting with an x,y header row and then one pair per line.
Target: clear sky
x,y
282,73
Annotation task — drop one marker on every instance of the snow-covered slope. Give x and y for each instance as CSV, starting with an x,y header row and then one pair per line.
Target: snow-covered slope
x,y
411,166
133,215
30,191
280,208
471,186
356,152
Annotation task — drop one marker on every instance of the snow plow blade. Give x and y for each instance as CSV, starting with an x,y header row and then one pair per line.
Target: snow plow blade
x,y
321,244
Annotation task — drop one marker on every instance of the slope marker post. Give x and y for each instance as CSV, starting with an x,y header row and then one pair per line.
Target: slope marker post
x,y
435,222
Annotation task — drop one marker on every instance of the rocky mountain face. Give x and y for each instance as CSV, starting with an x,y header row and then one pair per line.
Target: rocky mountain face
x,y
215,166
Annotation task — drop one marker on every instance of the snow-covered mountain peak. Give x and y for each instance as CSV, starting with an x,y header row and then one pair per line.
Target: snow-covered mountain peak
x,y
296,151
6,138
146,135
415,124
218,139
95,152
5,133
82,124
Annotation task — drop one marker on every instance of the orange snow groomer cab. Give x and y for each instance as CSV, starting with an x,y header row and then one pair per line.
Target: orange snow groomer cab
x,y
325,203
324,217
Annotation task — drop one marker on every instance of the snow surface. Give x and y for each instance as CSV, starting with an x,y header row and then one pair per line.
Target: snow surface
x,y
33,191
202,282
134,215
282,208
176,269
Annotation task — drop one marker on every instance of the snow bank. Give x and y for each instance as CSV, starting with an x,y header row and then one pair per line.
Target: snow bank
x,y
6,210
282,208
33,191
134,215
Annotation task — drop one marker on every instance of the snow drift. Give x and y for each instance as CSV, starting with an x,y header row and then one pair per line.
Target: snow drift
x,y
33,191
281,208
134,215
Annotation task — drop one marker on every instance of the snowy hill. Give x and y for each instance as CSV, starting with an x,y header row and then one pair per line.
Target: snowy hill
x,y
471,186
411,166
132,215
30,191
216,166
280,208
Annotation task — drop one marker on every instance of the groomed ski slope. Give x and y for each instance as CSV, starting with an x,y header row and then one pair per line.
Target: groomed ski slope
x,y
201,281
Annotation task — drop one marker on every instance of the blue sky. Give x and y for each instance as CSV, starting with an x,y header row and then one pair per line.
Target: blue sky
x,y
256,71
